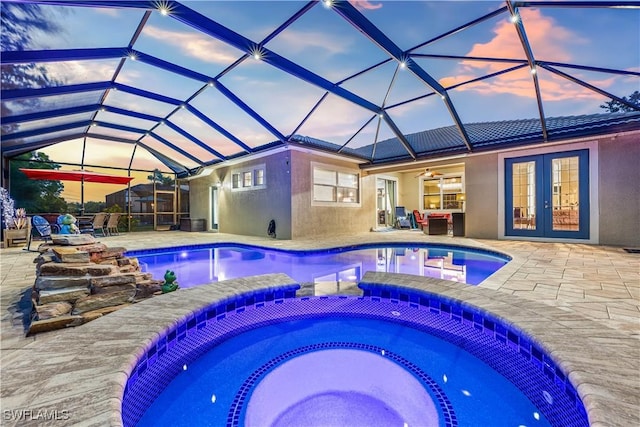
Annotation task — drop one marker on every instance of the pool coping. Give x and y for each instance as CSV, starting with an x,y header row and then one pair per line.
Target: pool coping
x,y
83,383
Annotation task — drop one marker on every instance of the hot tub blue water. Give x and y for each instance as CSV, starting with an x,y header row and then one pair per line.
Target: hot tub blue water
x,y
325,385
197,265
399,355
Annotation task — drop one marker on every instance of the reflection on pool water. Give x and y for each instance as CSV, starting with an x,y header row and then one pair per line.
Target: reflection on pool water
x,y
326,269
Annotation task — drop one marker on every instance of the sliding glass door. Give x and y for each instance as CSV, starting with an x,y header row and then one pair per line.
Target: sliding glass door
x,y
386,201
547,195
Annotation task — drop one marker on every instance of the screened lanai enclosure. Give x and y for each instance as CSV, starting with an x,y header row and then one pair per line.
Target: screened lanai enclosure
x,y
162,90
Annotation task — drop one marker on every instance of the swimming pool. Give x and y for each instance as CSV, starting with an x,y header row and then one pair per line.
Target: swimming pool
x,y
326,269
419,328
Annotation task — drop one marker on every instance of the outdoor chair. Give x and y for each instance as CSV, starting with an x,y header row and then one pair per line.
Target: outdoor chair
x,y
99,222
112,223
401,218
85,225
40,230
420,219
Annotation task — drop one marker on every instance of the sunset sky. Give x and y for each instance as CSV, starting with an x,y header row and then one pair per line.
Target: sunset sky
x,y
322,42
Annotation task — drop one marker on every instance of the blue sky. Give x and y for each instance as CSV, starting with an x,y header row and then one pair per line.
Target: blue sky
x,y
324,43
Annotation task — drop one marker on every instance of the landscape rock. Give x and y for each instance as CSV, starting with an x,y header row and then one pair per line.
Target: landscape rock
x,y
66,269
97,301
79,280
67,294
115,288
38,326
71,254
61,282
72,239
54,309
112,280
148,288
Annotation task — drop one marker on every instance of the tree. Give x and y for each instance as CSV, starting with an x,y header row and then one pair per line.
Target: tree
x,y
35,196
161,179
615,106
20,23
90,207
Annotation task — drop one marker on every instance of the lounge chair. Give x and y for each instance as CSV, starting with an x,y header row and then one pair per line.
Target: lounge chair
x,y
401,218
99,220
112,223
40,230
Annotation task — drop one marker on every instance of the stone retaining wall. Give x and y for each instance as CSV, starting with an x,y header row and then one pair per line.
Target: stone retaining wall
x,y
79,279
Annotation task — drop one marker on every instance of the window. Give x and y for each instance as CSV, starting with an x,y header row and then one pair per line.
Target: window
x,y
335,187
258,177
443,193
249,178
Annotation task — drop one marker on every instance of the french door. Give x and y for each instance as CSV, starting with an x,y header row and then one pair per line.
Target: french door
x,y
547,195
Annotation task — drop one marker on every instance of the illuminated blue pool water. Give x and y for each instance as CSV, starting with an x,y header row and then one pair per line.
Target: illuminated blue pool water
x,y
394,356
199,265
334,383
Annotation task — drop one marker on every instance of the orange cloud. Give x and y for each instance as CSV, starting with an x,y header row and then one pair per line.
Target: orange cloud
x,y
549,41
365,4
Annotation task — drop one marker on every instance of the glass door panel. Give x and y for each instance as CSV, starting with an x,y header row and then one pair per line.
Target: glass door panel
x,y
523,196
385,201
565,194
214,208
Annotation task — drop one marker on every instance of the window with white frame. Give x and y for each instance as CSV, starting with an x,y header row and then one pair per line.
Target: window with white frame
x,y
235,180
443,193
249,178
335,186
258,177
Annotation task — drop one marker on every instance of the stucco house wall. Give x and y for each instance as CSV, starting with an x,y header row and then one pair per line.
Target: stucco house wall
x,y
619,196
481,192
312,219
288,195
247,212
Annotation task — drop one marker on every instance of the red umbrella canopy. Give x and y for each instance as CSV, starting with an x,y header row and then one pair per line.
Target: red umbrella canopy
x,y
84,176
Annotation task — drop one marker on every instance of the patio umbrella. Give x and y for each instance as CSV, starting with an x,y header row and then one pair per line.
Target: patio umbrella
x,y
76,175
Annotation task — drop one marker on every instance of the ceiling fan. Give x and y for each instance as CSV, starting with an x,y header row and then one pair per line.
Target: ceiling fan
x,y
429,173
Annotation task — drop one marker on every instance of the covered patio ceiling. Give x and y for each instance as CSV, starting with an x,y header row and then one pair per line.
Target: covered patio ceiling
x,y
192,84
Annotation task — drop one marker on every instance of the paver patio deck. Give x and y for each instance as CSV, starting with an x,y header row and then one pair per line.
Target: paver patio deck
x,y
592,292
